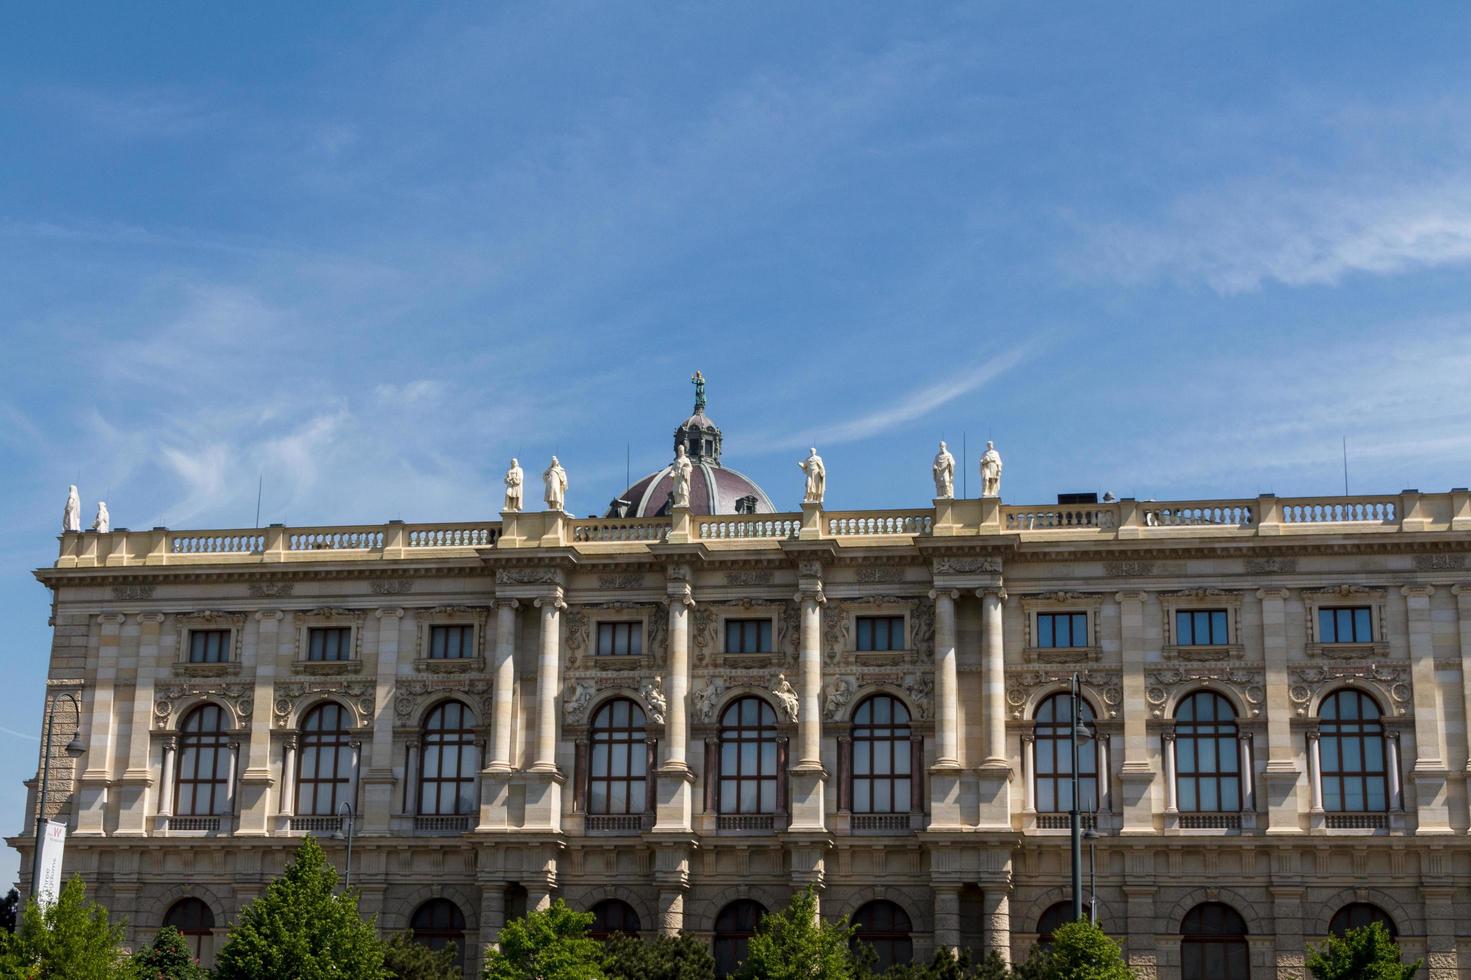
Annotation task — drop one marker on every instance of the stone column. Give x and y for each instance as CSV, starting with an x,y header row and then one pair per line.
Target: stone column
x,y
1280,775
288,776
1105,772
1431,790
544,777
1441,960
947,915
674,789
1136,773
1392,770
671,911
231,775
1169,744
256,779
411,778
1462,592
379,780
993,678
492,912
166,791
808,777
1248,773
945,774
138,777
97,776
504,685
996,902
1315,778
1029,774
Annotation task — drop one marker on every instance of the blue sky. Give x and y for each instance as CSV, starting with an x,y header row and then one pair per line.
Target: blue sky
x,y
367,252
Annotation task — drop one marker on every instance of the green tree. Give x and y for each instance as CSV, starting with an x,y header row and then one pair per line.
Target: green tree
x,y
71,939
10,910
794,945
665,958
1079,951
1366,953
167,958
300,930
409,960
947,966
547,945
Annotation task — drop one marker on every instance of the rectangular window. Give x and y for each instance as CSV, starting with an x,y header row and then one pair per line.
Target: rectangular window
x,y
1345,624
1201,628
1061,630
880,632
209,646
451,642
620,639
329,643
748,636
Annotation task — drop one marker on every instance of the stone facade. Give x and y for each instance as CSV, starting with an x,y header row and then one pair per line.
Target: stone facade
x,y
975,592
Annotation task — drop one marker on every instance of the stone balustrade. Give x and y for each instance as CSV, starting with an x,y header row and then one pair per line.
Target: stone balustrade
x,y
1409,511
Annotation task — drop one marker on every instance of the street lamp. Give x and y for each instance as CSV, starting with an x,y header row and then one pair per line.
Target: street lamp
x,y
74,748
337,835
1092,837
1075,816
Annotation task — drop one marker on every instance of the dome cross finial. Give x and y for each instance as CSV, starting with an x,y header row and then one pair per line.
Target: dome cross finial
x,y
698,380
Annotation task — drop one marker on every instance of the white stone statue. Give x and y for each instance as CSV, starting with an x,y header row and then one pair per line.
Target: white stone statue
x,y
707,699
102,523
682,470
576,701
787,697
71,518
990,471
944,472
514,479
556,481
658,704
816,477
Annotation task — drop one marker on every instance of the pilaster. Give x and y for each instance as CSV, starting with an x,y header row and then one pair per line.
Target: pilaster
x,y
96,777
1280,776
1429,773
1136,773
378,781
256,779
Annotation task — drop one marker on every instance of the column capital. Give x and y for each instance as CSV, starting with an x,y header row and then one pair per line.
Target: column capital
x,y
111,618
987,591
680,592
1130,595
1167,736
1420,590
553,602
269,615
150,617
951,594
1312,734
812,593
503,603
1274,592
170,743
389,612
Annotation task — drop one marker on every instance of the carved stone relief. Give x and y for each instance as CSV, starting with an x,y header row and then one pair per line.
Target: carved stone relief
x,y
758,577
271,590
527,576
1271,566
1307,682
125,592
1021,686
391,586
879,573
967,566
410,693
1163,683
621,580
167,699
1432,563
359,693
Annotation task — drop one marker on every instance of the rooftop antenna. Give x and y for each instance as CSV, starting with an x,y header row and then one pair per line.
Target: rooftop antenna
x,y
260,484
1345,466
627,466
964,467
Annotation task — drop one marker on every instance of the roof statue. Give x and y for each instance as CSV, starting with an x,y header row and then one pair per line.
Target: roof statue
x,y
71,517
102,523
944,473
816,477
556,486
515,477
991,471
701,481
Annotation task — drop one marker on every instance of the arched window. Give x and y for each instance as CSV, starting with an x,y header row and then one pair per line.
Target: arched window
x,y
1356,915
1213,944
882,756
1207,764
734,927
748,757
324,767
612,915
194,919
439,923
449,768
619,768
1052,727
1056,916
200,788
885,926
1351,746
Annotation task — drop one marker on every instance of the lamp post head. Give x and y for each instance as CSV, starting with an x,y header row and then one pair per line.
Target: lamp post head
x,y
75,748
1090,834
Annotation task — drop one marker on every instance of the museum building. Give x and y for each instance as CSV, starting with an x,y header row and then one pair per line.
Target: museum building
x,y
677,714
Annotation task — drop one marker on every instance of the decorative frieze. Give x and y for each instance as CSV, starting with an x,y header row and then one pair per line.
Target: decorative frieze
x,y
527,576
169,698
621,580
411,693
391,586
1305,683
747,578
879,574
271,590
360,694
967,566
126,593
1436,563
1271,566
1164,684
1022,686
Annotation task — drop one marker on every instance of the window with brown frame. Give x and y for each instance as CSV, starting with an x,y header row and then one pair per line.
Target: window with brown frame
x,y
875,633
1356,915
439,923
324,767
882,756
748,636
886,928
734,927
619,768
451,642
1351,747
612,916
200,788
194,919
209,646
324,643
1053,753
620,639
1213,944
448,770
748,757
1207,755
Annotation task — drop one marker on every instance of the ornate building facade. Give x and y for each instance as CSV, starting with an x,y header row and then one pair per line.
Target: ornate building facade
x,y
678,716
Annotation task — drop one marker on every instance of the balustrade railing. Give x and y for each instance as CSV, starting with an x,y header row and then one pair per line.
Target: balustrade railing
x,y
1063,821
197,824
1101,517
335,539
751,822
868,523
434,824
614,823
216,542
452,535
1200,513
317,825
748,527
1210,821
1356,821
1377,510
620,529
880,823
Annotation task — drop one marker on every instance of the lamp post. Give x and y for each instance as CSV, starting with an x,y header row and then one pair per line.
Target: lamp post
x,y
1092,836
347,879
1075,818
74,748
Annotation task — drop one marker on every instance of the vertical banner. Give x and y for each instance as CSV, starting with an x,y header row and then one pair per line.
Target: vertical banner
x,y
52,846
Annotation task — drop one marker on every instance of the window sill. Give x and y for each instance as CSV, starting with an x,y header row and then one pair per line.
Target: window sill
x,y
745,823
748,659
1348,651
1198,654
615,662
186,669
327,666
450,665
1063,655
879,658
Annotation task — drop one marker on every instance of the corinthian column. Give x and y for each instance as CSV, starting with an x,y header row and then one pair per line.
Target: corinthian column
x,y
546,683
504,690
947,756
809,723
993,678
674,789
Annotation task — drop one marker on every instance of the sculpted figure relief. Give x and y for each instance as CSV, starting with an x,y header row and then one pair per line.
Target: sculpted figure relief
x,y
991,471
655,698
682,470
816,477
514,480
556,485
102,523
71,518
787,696
944,473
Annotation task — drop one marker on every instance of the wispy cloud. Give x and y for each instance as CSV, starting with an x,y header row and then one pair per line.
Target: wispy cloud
x,y
136,114
914,405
